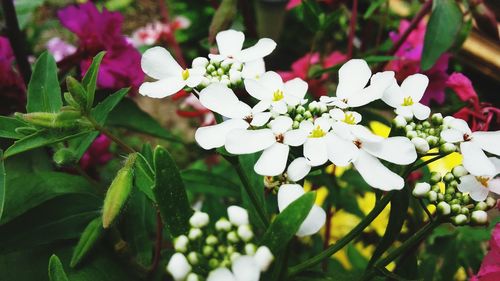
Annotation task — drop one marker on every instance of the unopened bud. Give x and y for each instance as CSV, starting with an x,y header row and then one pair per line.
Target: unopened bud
x,y
178,266
245,232
237,215
421,189
432,140
211,240
447,148
223,225
233,237
435,177
464,211
432,196
444,208
448,177
193,258
195,233
207,250
479,217
250,249
482,206
437,119
421,145
459,171
64,156
459,220
192,277
199,219
200,62
456,209
78,93
490,202
399,122
263,257
181,243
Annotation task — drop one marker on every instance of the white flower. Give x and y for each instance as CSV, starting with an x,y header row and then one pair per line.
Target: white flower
x,y
472,145
348,117
315,146
230,44
356,144
199,219
253,69
178,266
316,218
223,101
272,92
244,268
406,99
479,187
274,141
159,64
353,77
237,215
263,257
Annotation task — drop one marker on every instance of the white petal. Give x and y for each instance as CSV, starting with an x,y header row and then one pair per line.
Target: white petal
x,y
343,131
414,86
496,163
261,106
295,137
237,215
298,169
378,85
337,114
313,222
253,69
178,266
281,124
241,141
272,162
420,111
245,268
158,63
488,141
494,185
475,161
469,183
479,194
452,135
215,136
461,125
393,95
279,107
315,151
221,274
341,152
263,257
405,111
194,80
256,89
306,125
323,122
271,81
162,88
230,42
264,47
287,193
397,150
295,91
364,134
376,174
260,119
353,76
219,98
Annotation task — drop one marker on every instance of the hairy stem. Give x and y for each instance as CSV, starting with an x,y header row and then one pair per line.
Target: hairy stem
x,y
110,135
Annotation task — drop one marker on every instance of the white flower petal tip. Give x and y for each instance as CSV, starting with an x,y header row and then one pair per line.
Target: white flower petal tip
x,y
298,169
221,274
199,219
178,266
245,268
263,257
237,215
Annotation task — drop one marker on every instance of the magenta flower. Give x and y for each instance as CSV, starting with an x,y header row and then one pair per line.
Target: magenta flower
x,y
408,62
490,267
101,31
97,154
12,90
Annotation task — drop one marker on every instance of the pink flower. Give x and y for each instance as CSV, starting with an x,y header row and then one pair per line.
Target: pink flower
x,y
408,62
152,32
490,267
462,87
97,154
12,89
101,31
192,108
60,48
300,69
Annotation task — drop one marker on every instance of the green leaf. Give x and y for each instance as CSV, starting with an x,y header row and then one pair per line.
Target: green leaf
x,y
8,127
128,115
399,210
287,223
442,30
373,6
25,9
256,181
56,270
144,177
89,81
44,93
2,184
170,193
90,236
200,181
42,138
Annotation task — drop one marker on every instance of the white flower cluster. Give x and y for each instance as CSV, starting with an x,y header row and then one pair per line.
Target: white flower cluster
x,y
207,254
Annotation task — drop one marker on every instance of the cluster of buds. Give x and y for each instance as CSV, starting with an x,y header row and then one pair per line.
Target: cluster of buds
x,y
455,206
209,248
425,135
227,72
307,112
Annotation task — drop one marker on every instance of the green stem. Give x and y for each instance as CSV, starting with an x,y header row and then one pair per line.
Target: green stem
x,y
379,207
110,135
428,162
410,243
248,188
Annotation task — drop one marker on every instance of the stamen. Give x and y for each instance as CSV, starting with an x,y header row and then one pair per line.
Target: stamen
x,y
317,132
278,95
467,137
248,119
280,138
407,101
349,119
185,74
357,143
483,180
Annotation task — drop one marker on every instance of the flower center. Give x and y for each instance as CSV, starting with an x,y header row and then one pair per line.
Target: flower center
x,y
349,119
357,143
407,101
317,132
483,180
280,138
278,95
467,137
185,74
248,119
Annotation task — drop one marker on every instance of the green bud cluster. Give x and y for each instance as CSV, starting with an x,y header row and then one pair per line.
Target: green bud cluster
x,y
308,111
452,205
225,72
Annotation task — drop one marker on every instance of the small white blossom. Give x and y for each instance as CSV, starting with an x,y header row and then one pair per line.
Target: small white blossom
x,y
479,217
245,232
178,266
406,99
479,187
223,224
421,189
237,215
181,243
244,268
199,219
421,145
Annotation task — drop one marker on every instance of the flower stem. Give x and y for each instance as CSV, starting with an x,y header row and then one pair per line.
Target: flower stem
x,y
110,135
248,188
379,207
428,162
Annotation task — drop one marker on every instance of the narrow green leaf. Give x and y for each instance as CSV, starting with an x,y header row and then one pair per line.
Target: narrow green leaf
x,y
89,81
128,115
56,270
170,193
8,126
2,184
44,93
90,236
256,181
144,177
287,223
442,30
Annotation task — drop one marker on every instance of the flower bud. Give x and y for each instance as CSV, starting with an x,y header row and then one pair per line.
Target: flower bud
x,y
64,156
300,109
195,233
200,62
237,215
432,140
432,196
440,196
213,263
250,249
444,208
181,243
235,77
313,106
421,145
421,189
199,219
192,277
211,240
481,206
466,199
447,148
178,266
464,211
436,188
456,209
411,134
459,220
479,217
118,192
322,107
234,256
437,119
78,93
210,68
245,232
299,117
193,258
400,122
296,125
233,237
207,250
491,202
459,171
263,257
448,177
435,177
223,225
